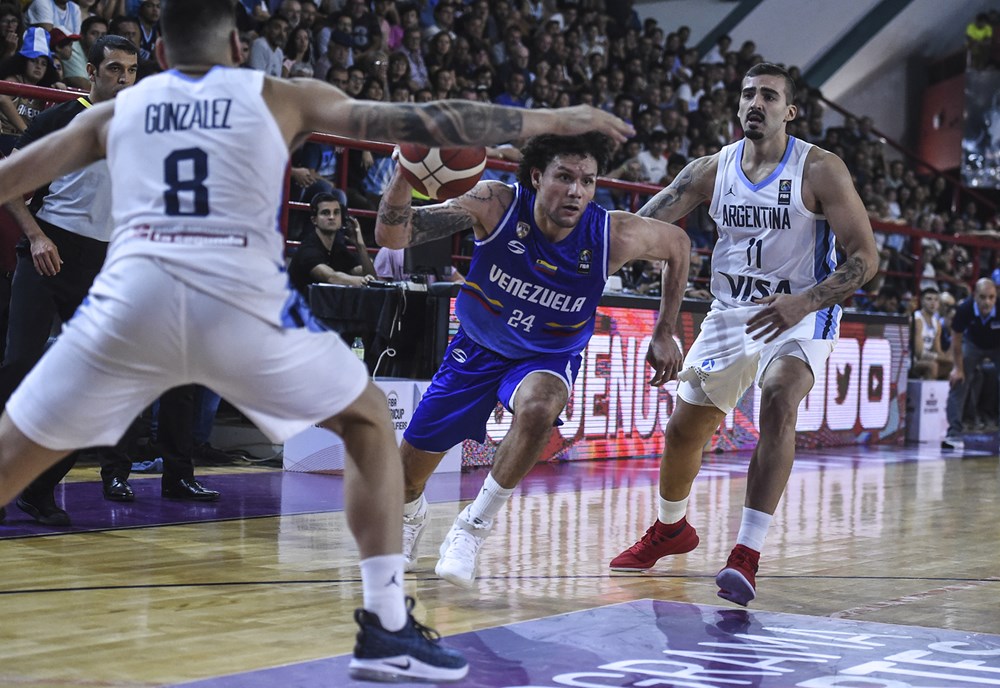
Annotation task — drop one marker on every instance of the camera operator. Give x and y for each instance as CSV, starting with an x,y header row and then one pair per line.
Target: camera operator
x,y
323,256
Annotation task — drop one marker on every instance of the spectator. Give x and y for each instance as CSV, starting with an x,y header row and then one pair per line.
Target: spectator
x,y
340,21
975,337
297,49
399,72
886,300
979,41
323,256
514,94
390,264
653,159
366,34
11,29
338,56
717,54
266,54
33,66
291,10
149,28
444,20
412,48
699,277
48,13
439,51
92,28
389,23
308,15
127,27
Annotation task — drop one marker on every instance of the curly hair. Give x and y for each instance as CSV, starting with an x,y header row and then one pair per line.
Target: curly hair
x,y
541,150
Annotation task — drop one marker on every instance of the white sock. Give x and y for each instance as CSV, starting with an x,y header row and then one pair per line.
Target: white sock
x,y
382,587
753,529
416,507
672,512
488,502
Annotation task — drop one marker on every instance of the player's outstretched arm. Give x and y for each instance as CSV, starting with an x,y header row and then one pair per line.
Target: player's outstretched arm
x,y
322,107
643,238
827,180
830,181
693,186
398,224
76,145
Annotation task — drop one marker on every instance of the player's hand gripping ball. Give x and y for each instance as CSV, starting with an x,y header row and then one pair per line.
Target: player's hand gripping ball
x,y
441,173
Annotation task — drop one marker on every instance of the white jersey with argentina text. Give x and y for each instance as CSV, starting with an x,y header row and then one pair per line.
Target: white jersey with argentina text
x,y
198,169
769,242
525,295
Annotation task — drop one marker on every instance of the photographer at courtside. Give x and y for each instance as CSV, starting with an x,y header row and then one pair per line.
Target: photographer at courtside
x,y
324,256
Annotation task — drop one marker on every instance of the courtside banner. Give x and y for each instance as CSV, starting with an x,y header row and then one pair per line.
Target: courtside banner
x,y
613,412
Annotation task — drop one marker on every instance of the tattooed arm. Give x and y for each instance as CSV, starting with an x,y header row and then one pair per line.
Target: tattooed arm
x,y
828,184
399,224
694,185
302,106
826,188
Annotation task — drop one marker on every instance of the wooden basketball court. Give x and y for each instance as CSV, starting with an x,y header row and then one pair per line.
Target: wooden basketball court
x,y
156,593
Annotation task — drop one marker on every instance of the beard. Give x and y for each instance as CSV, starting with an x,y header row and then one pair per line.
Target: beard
x,y
753,134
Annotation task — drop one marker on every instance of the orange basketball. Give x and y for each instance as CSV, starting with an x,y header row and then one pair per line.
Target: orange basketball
x,y
441,173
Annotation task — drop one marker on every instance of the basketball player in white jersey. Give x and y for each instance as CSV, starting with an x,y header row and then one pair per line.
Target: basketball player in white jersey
x,y
779,203
194,289
926,333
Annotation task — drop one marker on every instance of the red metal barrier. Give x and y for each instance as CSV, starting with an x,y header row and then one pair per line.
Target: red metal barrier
x,y
635,191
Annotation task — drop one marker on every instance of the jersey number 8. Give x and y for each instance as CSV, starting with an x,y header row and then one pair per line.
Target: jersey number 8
x,y
185,172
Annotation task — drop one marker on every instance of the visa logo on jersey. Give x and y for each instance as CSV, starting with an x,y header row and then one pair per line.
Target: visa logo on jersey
x,y
745,288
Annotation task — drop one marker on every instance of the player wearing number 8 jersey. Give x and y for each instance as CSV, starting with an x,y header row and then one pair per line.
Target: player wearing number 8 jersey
x,y
543,252
194,288
779,204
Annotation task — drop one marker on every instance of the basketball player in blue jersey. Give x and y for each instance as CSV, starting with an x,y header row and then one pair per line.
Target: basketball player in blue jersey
x,y
779,204
542,254
197,156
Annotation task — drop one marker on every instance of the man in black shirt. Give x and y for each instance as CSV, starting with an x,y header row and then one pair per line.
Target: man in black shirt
x,y
62,251
323,256
975,336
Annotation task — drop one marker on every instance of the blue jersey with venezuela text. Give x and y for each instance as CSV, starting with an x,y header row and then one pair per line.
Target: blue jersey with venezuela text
x,y
525,295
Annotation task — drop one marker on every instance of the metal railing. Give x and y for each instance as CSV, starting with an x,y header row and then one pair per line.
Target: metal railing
x,y
634,192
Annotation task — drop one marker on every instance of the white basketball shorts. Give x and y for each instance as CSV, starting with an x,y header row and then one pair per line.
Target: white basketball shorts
x,y
724,361
141,332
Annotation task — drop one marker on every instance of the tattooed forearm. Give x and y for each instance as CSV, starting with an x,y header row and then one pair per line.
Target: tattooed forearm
x,y
676,200
441,222
441,123
843,282
392,215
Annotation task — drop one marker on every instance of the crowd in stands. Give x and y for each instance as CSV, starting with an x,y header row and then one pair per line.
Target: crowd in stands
x,y
536,54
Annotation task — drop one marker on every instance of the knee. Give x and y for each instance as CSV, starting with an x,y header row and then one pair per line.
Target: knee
x,y
535,414
778,404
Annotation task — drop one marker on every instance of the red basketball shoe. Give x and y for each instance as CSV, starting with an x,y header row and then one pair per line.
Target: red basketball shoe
x,y
659,541
736,581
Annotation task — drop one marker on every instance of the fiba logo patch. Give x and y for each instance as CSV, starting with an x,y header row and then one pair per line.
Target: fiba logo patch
x,y
459,355
522,230
708,364
784,191
516,247
584,261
